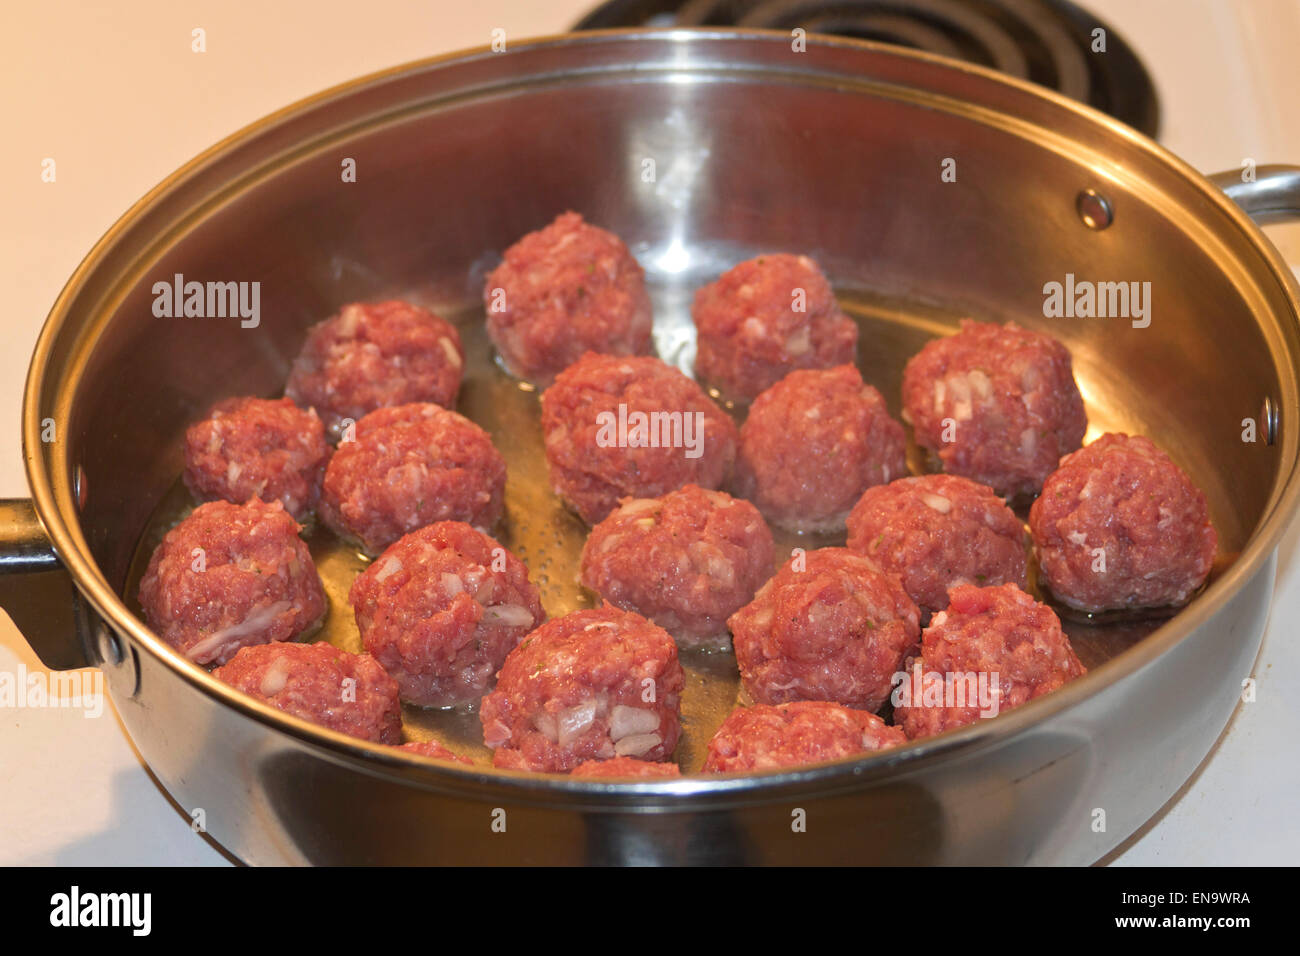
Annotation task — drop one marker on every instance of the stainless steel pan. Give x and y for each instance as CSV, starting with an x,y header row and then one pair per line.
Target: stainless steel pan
x,y
699,148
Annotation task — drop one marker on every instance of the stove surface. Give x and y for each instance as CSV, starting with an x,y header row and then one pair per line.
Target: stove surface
x,y
1051,42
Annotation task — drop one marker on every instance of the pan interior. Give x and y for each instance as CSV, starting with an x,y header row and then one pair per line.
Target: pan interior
x,y
549,538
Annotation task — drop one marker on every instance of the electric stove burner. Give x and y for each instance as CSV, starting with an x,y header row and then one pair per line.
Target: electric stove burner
x,y
1051,42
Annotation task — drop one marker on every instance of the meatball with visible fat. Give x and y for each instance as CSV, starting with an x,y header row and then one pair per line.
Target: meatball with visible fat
x,y
258,448
441,608
1120,526
812,444
830,626
631,427
229,576
765,318
687,560
938,531
990,650
346,692
373,356
411,466
564,290
770,736
592,685
996,403
625,768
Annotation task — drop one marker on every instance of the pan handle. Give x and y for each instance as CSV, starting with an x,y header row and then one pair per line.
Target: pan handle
x,y
1272,193
38,593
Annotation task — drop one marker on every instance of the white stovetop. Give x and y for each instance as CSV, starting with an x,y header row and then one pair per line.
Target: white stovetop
x,y
114,94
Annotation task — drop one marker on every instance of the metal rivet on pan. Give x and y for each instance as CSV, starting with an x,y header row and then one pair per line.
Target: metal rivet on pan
x,y
1268,418
110,646
1094,209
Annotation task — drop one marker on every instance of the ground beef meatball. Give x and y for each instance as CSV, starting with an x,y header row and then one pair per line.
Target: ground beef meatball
x,y
764,737
938,531
564,290
763,319
408,467
992,649
625,767
257,448
812,444
376,356
592,685
997,404
631,427
829,626
687,560
441,608
346,692
434,750
1120,526
230,576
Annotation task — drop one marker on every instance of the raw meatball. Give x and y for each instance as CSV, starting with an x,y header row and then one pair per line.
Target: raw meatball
x,y
765,318
564,290
591,685
625,767
997,404
376,356
441,609
812,444
346,692
998,635
763,737
938,531
631,427
829,626
1119,525
258,448
434,750
230,576
411,466
687,560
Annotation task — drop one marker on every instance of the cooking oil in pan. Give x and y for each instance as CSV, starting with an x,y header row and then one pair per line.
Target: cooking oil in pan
x,y
549,538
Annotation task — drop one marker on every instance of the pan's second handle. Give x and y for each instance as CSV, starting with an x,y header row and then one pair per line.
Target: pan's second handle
x,y
37,592
1273,192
